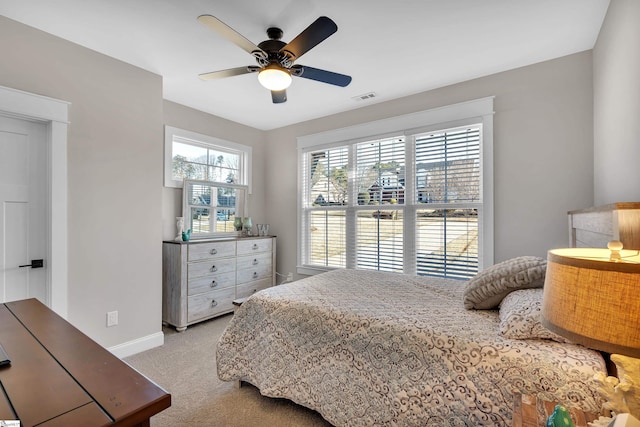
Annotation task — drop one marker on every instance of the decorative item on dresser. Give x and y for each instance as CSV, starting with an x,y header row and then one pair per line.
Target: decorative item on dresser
x,y
596,226
202,278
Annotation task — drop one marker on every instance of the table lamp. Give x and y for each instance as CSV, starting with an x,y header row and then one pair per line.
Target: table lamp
x,y
592,297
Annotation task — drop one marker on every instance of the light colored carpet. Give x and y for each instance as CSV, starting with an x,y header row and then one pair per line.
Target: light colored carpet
x,y
185,366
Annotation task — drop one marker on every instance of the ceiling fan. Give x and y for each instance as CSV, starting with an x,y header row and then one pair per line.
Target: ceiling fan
x,y
276,58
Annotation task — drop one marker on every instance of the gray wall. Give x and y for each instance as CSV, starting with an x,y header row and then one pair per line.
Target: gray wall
x,y
616,83
114,177
543,163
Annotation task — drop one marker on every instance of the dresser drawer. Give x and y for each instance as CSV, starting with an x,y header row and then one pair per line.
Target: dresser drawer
x,y
199,251
253,261
212,282
210,303
249,289
249,246
209,267
257,273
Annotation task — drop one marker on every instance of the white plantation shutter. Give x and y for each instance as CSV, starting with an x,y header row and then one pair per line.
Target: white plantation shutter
x,y
327,177
448,181
325,195
327,246
447,242
411,203
448,166
379,182
379,242
380,170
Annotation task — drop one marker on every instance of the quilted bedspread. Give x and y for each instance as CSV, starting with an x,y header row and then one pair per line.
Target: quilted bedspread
x,y
366,348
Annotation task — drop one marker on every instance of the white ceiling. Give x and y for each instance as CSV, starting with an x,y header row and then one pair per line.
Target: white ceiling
x,y
392,48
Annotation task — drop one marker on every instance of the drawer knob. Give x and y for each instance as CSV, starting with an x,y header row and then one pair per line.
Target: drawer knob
x,y
213,268
214,303
255,262
213,251
255,246
255,275
214,283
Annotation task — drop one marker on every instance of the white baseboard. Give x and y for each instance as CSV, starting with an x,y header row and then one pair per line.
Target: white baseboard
x,y
138,345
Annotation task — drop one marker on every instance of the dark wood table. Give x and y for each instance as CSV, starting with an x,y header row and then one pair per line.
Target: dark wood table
x,y
60,377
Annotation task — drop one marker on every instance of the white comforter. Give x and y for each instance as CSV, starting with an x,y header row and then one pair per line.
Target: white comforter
x,y
366,348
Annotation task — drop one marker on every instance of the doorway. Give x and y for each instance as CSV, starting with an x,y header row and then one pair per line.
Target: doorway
x,y
52,114
22,211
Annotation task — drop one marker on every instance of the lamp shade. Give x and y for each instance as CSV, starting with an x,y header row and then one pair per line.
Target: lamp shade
x,y
592,297
274,77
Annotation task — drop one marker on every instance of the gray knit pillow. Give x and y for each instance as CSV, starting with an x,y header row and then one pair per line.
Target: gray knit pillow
x,y
491,285
520,313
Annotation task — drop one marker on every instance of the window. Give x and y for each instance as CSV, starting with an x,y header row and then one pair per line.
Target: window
x,y
189,155
211,210
417,201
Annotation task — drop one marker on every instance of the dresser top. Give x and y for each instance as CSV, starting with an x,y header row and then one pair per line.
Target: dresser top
x,y
609,207
217,239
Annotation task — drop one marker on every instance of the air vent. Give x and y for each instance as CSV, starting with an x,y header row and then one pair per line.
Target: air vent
x,y
364,97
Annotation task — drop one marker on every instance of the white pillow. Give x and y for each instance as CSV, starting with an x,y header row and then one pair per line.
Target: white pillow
x,y
491,285
520,313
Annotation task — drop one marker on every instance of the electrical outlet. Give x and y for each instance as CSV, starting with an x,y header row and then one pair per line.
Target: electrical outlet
x,y
289,278
112,318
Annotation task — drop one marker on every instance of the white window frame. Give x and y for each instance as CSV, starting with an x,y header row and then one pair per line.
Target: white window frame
x,y
173,134
240,208
452,116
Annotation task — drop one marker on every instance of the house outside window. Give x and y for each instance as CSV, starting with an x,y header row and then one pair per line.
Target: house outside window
x,y
415,201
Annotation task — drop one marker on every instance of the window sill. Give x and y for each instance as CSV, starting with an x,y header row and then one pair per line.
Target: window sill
x,y
309,270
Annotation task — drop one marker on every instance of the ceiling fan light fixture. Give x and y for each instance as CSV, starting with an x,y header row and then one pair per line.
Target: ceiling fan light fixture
x,y
274,77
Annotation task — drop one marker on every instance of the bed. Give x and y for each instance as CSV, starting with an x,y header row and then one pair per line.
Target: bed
x,y
368,348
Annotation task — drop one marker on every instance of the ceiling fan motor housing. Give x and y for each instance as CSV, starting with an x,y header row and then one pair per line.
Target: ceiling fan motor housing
x,y
272,48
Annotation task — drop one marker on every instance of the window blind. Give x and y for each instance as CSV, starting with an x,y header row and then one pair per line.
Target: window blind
x,y
448,178
448,166
379,182
380,172
326,189
359,213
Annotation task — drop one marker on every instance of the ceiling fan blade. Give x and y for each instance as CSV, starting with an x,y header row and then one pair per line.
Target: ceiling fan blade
x,y
232,35
279,96
229,73
324,76
314,34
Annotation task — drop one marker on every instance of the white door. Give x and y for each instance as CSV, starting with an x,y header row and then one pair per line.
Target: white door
x,y
22,210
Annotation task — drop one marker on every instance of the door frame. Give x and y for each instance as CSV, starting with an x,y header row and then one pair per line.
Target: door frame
x,y
54,114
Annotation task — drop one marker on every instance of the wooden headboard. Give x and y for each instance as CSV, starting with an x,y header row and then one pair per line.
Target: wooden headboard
x,y
595,227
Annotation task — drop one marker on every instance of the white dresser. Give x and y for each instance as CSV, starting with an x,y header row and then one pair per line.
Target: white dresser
x,y
201,278
596,226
